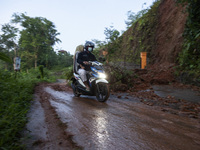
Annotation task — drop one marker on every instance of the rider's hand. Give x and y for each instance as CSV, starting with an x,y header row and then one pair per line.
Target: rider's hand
x,y
82,66
86,62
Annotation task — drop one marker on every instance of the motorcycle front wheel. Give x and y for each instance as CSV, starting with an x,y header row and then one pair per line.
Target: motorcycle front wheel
x,y
102,92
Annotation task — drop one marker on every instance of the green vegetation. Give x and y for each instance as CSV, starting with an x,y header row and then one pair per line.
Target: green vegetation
x,y
41,71
189,57
39,63
121,75
15,98
36,39
69,73
5,58
142,34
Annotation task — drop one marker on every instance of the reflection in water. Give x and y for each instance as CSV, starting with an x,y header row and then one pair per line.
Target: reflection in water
x,y
101,128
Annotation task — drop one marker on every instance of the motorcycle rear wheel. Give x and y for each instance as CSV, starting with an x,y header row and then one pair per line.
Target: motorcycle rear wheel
x,y
102,92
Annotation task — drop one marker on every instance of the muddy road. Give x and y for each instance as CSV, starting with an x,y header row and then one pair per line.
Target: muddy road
x,y
58,120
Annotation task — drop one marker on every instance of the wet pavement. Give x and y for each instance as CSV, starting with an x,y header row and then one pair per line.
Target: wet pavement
x,y
123,123
178,93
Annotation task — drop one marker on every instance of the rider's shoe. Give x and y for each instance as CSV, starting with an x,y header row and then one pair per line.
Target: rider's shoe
x,y
87,89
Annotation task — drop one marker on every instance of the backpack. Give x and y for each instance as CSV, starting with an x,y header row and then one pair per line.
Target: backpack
x,y
79,49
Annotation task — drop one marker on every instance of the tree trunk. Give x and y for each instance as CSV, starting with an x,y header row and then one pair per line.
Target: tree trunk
x,y
35,61
46,61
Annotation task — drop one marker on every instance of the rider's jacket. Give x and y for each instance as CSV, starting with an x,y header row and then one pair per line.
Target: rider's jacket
x,y
85,56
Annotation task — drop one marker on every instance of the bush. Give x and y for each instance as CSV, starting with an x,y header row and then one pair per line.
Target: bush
x,y
120,79
189,59
41,71
69,73
15,97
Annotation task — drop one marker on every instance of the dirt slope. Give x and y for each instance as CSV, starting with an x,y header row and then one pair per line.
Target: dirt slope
x,y
169,39
159,33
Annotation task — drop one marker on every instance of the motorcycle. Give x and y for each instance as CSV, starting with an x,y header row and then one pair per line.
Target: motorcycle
x,y
96,81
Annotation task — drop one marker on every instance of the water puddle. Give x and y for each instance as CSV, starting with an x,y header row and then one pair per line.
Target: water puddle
x,y
178,93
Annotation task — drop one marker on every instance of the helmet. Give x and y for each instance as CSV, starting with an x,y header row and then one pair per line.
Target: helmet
x,y
89,44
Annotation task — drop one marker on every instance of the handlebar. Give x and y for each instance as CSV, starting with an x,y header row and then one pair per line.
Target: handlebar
x,y
93,63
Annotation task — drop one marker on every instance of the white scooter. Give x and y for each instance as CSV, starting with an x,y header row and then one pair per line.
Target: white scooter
x,y
96,81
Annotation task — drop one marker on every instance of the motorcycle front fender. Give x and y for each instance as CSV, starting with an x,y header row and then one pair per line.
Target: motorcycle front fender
x,y
101,80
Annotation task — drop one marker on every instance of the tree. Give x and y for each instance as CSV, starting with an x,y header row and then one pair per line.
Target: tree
x,y
7,39
111,34
65,59
37,37
8,43
133,17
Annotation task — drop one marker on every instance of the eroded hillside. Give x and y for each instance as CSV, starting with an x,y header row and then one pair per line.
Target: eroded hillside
x,y
159,33
168,36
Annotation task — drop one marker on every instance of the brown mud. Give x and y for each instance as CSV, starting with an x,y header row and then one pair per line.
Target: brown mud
x,y
47,132
67,122
182,100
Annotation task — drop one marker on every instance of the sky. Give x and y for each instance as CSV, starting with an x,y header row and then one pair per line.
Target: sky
x,y
77,21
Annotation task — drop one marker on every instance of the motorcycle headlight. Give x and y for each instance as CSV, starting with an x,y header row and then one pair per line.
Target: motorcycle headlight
x,y
102,75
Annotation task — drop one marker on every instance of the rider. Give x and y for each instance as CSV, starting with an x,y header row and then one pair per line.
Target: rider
x,y
83,58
